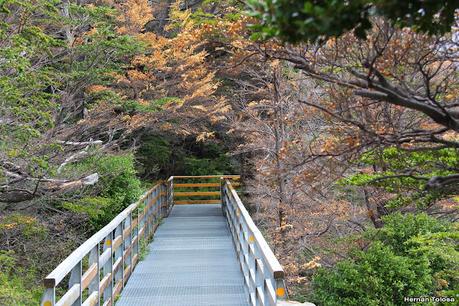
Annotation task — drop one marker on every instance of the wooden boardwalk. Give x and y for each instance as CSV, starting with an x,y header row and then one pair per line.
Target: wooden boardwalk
x,y
192,261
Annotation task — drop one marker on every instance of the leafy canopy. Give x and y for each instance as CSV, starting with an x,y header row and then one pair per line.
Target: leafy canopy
x,y
404,173
309,20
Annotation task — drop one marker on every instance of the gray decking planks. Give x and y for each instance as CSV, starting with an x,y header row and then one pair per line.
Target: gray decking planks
x,y
192,262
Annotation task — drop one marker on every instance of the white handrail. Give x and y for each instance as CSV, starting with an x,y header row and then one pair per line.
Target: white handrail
x,y
120,240
263,274
76,256
273,264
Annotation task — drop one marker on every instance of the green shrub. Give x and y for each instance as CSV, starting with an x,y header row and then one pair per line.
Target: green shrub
x,y
206,166
97,209
118,187
399,229
25,226
209,158
373,277
154,154
15,283
412,255
159,156
119,180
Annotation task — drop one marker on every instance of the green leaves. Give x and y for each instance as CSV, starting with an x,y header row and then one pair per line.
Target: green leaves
x,y
118,187
44,71
412,255
295,21
405,173
312,20
372,276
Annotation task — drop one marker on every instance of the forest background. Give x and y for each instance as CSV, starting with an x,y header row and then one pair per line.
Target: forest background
x,y
342,119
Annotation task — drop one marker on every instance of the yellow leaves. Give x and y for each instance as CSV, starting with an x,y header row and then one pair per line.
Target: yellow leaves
x,y
17,220
314,263
154,41
154,61
9,225
13,153
134,15
331,42
96,88
198,86
205,136
137,75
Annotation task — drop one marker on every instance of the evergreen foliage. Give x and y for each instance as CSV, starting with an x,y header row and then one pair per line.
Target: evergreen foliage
x,y
301,20
411,256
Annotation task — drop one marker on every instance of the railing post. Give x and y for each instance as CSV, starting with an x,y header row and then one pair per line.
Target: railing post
x,y
49,297
95,282
153,211
158,205
136,244
122,248
281,293
146,212
259,281
118,274
75,279
170,194
164,201
149,214
222,195
108,268
128,248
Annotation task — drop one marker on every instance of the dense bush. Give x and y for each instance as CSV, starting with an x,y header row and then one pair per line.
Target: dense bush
x,y
412,255
118,187
154,155
159,157
372,276
15,283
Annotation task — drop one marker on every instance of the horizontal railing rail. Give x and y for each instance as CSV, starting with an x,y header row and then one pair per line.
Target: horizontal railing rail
x,y
263,274
98,270
203,189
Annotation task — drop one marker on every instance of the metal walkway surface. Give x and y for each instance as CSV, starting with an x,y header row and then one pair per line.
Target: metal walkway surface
x,y
191,262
